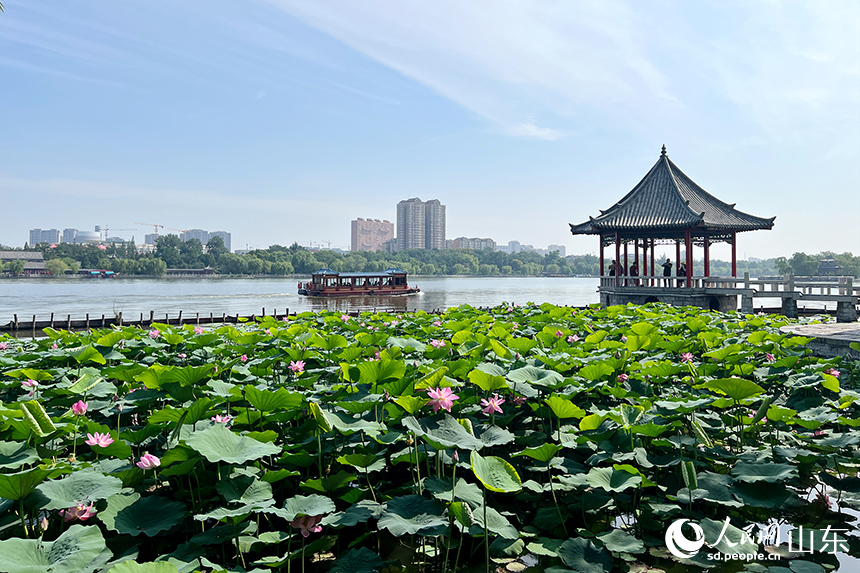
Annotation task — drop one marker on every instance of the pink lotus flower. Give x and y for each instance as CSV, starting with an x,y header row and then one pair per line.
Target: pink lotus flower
x,y
493,404
769,357
307,524
182,355
79,408
622,377
244,358
572,338
437,323
4,345
286,319
441,398
30,385
225,419
101,440
154,334
297,366
393,323
344,317
687,357
54,346
623,339
437,343
559,333
80,512
148,462
833,372
198,330
519,400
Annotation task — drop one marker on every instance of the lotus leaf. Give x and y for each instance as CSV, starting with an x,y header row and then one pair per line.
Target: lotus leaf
x,y
611,479
446,431
767,472
495,473
618,541
584,556
13,455
72,552
413,514
81,486
360,560
135,515
218,444
152,567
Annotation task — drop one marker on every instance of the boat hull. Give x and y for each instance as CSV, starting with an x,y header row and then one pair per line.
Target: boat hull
x,y
329,293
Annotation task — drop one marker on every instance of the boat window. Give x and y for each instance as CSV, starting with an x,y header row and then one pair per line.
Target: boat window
x,y
373,281
400,281
330,282
358,281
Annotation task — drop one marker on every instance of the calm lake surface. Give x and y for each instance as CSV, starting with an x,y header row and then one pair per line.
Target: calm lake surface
x,y
246,296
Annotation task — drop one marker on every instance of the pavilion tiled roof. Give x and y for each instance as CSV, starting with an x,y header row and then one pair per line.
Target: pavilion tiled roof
x,y
666,199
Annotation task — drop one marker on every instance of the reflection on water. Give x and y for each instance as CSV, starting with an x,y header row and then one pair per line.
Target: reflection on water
x,y
133,296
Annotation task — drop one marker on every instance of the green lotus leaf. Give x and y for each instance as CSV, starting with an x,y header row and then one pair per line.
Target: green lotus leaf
x,y
735,388
447,432
218,444
413,514
381,371
268,401
110,338
360,512
596,371
360,560
307,505
521,345
411,403
135,515
611,479
13,455
767,472
72,552
463,491
731,539
495,473
246,490
87,354
533,375
19,485
618,541
151,567
542,454
37,418
487,382
584,556
86,383
497,524
80,487
564,408
367,462
591,422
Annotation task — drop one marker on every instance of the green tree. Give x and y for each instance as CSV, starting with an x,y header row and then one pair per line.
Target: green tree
x,y
16,267
215,247
56,267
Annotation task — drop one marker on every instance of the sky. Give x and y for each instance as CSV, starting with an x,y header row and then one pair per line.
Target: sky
x,y
281,121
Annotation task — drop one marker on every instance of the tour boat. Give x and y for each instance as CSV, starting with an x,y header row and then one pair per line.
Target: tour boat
x,y
327,282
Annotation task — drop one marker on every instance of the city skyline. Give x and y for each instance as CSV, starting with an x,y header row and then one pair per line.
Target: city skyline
x,y
284,119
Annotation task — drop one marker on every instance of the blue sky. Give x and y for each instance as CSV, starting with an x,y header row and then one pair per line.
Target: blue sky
x,y
283,120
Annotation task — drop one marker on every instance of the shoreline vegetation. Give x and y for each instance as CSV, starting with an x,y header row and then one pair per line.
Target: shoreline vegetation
x,y
172,255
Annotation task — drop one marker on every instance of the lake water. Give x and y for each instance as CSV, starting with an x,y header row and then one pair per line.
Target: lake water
x,y
245,296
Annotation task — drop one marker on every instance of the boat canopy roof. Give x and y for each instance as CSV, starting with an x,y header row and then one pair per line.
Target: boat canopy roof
x,y
387,272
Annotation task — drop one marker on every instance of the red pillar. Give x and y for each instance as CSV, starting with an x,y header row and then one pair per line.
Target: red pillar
x,y
625,263
601,255
734,254
707,257
652,261
677,255
617,255
688,244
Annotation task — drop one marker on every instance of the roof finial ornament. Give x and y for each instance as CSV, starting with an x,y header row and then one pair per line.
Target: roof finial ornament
x,y
663,153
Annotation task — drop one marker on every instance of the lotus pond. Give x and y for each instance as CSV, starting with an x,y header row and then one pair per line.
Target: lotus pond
x,y
535,438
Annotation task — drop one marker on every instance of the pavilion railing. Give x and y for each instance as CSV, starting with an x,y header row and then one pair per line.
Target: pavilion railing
x,y
808,287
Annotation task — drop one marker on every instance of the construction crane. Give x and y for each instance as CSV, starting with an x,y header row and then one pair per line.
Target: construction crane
x,y
183,231
151,225
107,230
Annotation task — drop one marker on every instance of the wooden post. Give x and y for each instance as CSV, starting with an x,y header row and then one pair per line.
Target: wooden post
x,y
617,255
624,267
734,254
68,320
88,322
52,320
198,318
16,325
677,256
688,243
601,257
103,321
180,318
151,316
34,325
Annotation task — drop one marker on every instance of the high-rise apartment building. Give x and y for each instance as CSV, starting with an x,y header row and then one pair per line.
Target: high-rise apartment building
x,y
370,234
44,236
69,235
420,225
560,248
434,225
225,236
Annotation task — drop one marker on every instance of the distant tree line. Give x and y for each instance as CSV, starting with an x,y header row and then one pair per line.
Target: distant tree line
x,y
172,253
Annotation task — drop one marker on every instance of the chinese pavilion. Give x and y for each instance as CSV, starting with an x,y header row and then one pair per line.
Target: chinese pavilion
x,y
666,208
